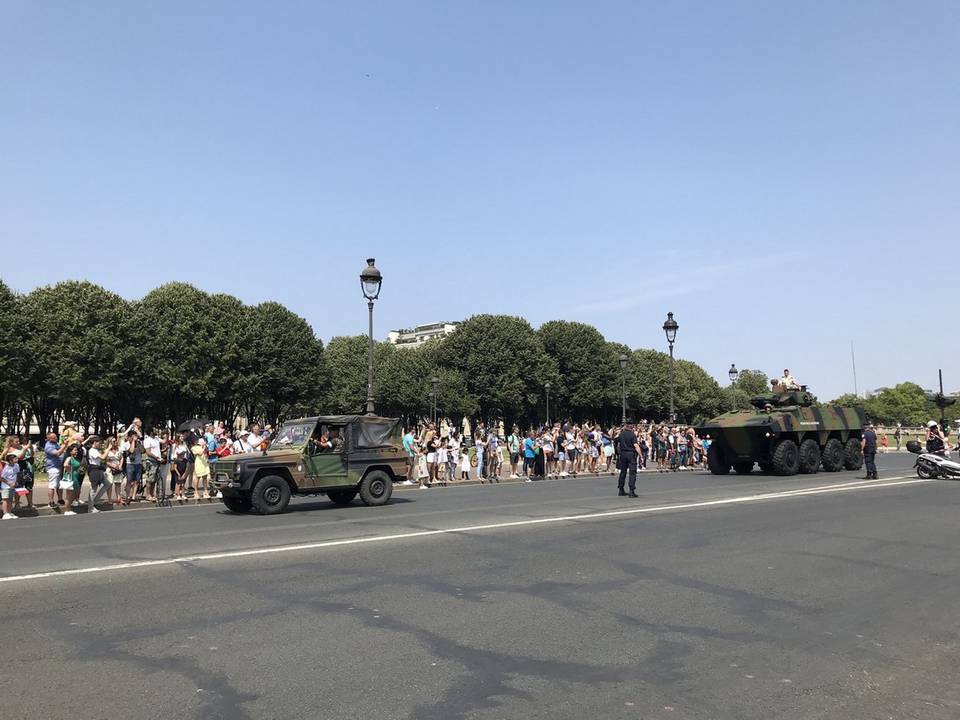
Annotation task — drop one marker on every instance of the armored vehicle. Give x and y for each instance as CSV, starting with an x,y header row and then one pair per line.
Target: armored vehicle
x,y
340,456
785,434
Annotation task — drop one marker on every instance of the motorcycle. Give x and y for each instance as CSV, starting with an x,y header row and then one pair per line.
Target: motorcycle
x,y
931,466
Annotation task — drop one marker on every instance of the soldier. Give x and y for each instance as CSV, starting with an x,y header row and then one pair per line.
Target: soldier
x,y
868,444
787,382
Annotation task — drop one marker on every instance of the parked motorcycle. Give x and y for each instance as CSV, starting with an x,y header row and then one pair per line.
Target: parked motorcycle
x,y
930,466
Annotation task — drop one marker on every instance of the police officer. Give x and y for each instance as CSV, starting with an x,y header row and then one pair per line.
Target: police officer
x,y
629,451
868,444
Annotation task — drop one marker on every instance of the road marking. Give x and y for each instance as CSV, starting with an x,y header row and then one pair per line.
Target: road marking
x,y
229,554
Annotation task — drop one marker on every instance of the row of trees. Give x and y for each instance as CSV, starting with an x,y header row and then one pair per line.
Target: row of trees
x,y
77,351
906,403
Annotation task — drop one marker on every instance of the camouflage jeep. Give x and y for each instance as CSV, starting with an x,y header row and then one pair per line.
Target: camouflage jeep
x,y
365,458
785,434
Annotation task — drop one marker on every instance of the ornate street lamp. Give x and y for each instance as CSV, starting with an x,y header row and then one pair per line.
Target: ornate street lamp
x,y
370,282
623,359
733,374
670,328
546,386
435,381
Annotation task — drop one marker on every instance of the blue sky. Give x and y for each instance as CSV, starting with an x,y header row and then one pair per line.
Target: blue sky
x,y
784,177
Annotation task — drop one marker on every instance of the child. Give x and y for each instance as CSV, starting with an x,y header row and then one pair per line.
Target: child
x,y
8,483
442,454
464,466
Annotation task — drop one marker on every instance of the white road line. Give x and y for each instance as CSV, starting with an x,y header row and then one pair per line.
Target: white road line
x,y
801,492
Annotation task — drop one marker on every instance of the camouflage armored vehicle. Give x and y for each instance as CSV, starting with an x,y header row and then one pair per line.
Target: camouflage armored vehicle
x,y
785,434
340,456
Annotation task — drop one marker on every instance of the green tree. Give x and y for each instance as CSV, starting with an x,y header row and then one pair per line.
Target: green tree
x,y
72,352
346,360
284,369
587,369
503,364
12,360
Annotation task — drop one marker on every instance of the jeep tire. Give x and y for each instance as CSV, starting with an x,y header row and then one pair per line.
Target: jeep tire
x,y
376,488
270,495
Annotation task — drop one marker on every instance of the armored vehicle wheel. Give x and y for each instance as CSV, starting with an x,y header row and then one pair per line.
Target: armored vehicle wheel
x,y
376,488
236,504
766,467
809,456
743,468
786,458
852,455
715,460
832,456
342,497
270,495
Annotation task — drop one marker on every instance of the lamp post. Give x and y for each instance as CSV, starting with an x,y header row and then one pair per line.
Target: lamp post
x,y
670,328
435,381
733,374
623,359
370,282
546,386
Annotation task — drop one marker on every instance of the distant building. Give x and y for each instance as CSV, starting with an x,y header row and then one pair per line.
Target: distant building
x,y
420,334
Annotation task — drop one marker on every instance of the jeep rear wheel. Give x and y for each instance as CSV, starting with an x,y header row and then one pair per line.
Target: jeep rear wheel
x,y
342,497
832,456
715,460
236,504
852,455
376,488
270,495
786,458
809,456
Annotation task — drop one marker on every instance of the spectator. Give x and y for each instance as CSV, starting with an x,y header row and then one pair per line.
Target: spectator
x,y
133,462
241,444
99,486
70,480
153,456
223,447
53,453
9,477
529,455
513,443
465,465
114,463
26,470
410,449
178,468
201,469
453,455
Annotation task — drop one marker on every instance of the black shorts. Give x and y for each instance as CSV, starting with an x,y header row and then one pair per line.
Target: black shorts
x,y
514,458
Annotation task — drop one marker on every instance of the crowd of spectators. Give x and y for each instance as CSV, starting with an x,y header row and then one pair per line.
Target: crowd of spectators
x,y
137,464
557,450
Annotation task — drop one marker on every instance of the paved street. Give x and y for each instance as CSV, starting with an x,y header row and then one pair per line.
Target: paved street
x,y
710,597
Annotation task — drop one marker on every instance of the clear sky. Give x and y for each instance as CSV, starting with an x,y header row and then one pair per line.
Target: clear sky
x,y
784,177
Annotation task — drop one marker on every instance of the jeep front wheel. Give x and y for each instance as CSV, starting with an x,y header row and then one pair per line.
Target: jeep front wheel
x,y
236,504
376,488
270,495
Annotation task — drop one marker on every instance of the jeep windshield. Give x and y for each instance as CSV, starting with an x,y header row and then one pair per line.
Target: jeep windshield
x,y
293,435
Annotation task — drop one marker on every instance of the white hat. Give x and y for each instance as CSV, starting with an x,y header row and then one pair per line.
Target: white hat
x,y
932,423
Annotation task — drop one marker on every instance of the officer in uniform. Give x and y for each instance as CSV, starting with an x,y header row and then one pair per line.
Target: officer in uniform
x,y
868,444
629,451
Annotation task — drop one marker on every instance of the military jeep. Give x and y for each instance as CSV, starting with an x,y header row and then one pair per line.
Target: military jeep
x,y
340,456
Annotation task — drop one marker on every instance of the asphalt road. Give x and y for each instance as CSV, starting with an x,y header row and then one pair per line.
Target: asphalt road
x,y
732,597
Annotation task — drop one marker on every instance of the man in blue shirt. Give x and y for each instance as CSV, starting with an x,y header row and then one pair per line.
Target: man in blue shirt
x,y
529,455
53,463
410,448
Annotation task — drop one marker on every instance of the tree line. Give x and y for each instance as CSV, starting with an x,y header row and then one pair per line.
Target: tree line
x,y
77,351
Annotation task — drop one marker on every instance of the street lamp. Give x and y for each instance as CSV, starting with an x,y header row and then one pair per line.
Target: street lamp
x,y
670,328
623,359
370,281
435,381
546,386
733,374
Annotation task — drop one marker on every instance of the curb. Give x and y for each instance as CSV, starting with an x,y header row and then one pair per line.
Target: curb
x,y
84,508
